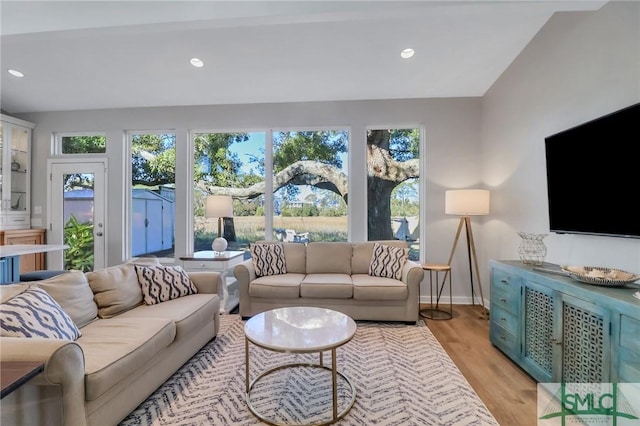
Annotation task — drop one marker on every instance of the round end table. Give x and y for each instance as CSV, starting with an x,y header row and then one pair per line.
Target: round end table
x,y
435,310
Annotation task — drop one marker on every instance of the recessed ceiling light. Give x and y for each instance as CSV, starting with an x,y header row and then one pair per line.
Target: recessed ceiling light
x,y
16,73
197,62
407,53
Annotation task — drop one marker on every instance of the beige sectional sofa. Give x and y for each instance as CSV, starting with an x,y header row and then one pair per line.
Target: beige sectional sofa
x,y
332,275
126,351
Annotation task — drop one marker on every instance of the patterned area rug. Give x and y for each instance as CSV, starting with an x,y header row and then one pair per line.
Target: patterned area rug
x,y
401,373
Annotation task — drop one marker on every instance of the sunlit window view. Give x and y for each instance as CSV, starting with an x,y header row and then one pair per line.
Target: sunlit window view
x,y
153,165
309,186
229,164
310,174
393,173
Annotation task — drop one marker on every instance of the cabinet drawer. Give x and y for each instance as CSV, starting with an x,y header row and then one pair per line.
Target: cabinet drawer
x,y
505,292
504,319
504,340
195,265
629,332
15,221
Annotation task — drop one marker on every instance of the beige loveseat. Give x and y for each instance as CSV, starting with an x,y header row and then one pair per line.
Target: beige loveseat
x,y
126,351
333,275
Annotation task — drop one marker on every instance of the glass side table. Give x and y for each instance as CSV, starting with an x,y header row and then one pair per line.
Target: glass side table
x,y
436,311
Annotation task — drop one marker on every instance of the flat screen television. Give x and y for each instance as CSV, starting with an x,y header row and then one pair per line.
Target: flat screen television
x,y
593,176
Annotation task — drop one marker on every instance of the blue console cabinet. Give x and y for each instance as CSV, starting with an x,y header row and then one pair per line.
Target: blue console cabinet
x,y
561,330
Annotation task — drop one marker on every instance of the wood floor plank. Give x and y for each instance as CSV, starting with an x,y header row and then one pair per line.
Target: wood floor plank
x,y
507,391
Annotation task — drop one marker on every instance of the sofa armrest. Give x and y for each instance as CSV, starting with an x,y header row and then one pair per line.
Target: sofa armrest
x,y
63,365
208,282
412,274
244,273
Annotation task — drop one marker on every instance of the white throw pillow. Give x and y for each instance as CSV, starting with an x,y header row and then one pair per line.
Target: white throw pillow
x,y
34,313
268,259
162,283
388,261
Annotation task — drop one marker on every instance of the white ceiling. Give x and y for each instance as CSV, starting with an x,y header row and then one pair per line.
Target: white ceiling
x,y
114,54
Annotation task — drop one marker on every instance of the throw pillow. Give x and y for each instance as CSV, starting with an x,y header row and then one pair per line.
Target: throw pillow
x,y
162,283
72,292
388,261
268,259
34,313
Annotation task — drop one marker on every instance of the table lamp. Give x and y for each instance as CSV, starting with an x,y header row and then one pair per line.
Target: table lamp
x,y
466,203
218,206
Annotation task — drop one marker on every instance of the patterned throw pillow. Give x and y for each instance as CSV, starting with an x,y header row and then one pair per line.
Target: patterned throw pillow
x,y
162,283
268,259
33,313
388,261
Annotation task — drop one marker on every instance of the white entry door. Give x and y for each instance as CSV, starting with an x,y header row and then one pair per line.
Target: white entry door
x,y
77,214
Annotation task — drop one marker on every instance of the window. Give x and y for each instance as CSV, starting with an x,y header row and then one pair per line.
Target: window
x,y
393,179
153,164
229,164
310,174
80,143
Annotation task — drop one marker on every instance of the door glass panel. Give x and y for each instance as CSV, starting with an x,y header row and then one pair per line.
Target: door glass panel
x,y
78,209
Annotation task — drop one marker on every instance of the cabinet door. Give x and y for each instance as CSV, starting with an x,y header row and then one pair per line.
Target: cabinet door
x,y
540,350
585,342
28,262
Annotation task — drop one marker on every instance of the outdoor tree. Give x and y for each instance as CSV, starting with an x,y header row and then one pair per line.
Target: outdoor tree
x,y
306,158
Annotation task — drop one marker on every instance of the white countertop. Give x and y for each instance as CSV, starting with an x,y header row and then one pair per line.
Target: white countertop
x,y
20,249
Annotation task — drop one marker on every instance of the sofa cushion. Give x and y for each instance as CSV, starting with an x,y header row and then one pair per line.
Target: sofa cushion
x,y
162,283
327,286
268,259
295,255
388,261
189,313
116,348
34,313
329,258
286,286
366,287
362,251
9,291
71,290
116,289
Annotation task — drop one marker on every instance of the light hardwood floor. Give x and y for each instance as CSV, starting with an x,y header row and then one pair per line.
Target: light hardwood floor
x,y
507,391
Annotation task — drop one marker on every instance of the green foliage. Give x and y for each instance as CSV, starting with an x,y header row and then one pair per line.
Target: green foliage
x,y
322,146
79,237
84,144
153,159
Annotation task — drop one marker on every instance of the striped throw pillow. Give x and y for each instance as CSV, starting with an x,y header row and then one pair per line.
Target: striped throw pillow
x,y
268,259
388,261
162,283
34,313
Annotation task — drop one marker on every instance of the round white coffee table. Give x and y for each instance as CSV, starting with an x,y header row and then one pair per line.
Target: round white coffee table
x,y
300,330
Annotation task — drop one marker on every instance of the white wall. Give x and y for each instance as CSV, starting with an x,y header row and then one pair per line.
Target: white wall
x,y
578,67
452,153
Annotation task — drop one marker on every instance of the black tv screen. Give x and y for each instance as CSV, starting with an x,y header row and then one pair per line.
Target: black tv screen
x,y
593,176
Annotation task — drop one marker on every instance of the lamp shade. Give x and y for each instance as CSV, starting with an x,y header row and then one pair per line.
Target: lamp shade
x,y
466,202
218,206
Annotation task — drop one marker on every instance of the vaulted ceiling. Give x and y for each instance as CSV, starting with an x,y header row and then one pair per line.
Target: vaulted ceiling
x,y
114,54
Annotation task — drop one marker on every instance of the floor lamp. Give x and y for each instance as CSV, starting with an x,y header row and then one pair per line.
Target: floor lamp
x,y
466,203
219,206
